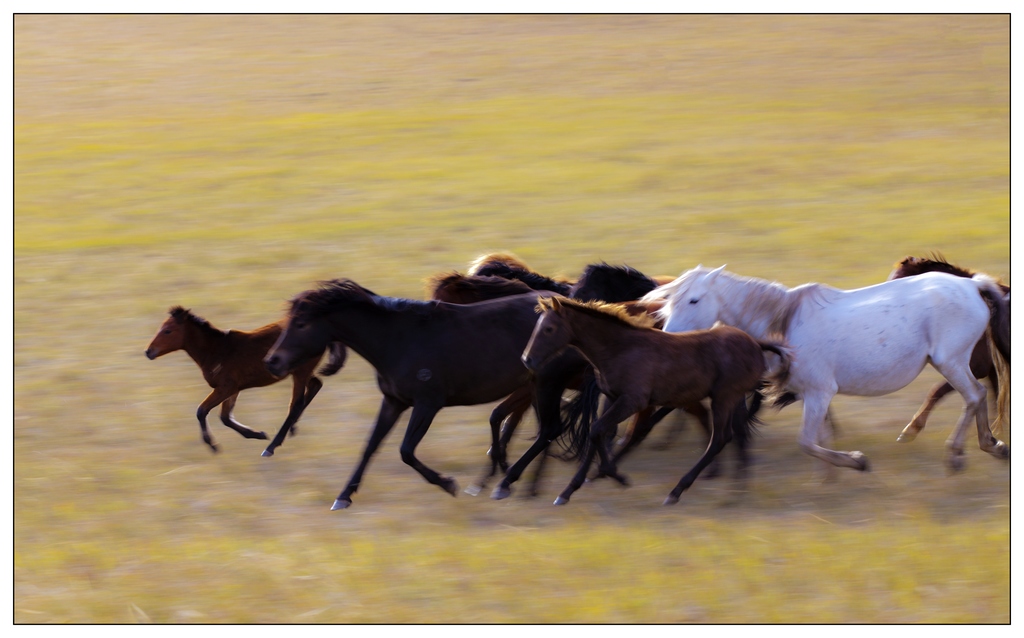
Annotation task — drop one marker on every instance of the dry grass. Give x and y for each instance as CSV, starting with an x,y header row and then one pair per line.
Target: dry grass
x,y
227,163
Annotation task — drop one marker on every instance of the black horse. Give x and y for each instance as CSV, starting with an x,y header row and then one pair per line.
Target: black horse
x,y
428,355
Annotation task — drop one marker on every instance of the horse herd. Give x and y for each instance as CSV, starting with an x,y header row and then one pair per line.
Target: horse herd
x,y
649,345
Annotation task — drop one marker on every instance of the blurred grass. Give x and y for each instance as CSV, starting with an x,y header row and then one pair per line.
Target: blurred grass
x,y
227,163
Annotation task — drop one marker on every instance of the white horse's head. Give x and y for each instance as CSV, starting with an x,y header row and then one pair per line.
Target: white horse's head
x,y
693,304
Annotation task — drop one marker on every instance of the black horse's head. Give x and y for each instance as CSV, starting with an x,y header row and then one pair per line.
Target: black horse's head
x,y
309,329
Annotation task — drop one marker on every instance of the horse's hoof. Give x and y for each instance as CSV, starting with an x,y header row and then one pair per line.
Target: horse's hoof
x,y
623,481
267,452
906,436
473,490
340,504
214,448
561,500
450,485
1001,451
501,492
671,499
861,461
956,463
261,436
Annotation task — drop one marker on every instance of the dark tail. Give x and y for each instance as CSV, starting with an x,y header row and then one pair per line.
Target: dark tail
x,y
745,421
578,415
336,358
999,323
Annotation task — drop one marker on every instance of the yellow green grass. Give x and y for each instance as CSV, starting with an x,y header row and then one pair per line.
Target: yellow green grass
x,y
228,163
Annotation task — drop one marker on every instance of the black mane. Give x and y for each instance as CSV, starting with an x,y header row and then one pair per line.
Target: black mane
x,y
328,295
611,284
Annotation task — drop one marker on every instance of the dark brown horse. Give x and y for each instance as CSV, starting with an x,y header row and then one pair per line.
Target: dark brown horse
x,y
232,361
457,288
428,355
640,366
983,364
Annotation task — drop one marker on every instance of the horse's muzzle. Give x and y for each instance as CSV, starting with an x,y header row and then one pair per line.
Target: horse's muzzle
x,y
275,365
530,363
150,354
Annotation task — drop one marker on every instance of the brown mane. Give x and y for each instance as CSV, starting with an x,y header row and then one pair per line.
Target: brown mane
x,y
455,287
910,266
614,312
508,259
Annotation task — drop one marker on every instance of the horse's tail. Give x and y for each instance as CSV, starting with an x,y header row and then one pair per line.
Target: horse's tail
x,y
578,415
774,390
336,352
999,342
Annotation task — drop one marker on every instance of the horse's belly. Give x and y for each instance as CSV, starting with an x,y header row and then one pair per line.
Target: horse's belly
x,y
873,371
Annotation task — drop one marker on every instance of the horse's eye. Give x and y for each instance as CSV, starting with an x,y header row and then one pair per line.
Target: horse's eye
x,y
694,300
167,332
299,325
548,329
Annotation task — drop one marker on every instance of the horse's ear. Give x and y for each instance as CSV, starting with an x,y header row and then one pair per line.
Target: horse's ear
x,y
714,273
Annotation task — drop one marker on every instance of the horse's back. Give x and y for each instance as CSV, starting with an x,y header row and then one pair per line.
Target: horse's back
x,y
877,339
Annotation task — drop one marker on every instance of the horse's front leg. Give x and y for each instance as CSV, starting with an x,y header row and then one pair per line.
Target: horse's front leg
x,y
419,423
920,419
227,419
597,443
302,394
547,400
816,404
390,410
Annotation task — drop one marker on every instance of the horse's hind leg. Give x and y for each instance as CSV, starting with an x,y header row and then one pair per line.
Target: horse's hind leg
x,y
419,422
721,433
975,405
228,420
510,410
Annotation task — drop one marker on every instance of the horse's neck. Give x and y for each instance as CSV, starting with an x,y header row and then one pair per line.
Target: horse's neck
x,y
598,339
205,345
374,333
758,307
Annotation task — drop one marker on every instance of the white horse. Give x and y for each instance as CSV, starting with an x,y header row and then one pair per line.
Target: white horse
x,y
865,342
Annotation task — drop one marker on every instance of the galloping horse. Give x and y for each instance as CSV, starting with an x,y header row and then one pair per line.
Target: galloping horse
x,y
866,342
428,355
983,364
640,366
232,361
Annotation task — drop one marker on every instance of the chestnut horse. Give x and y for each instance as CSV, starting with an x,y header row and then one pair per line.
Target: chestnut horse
x,y
983,364
428,355
232,361
640,366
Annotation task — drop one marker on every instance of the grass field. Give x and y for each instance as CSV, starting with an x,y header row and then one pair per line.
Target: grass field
x,y
227,163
